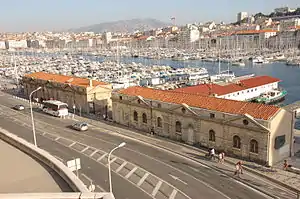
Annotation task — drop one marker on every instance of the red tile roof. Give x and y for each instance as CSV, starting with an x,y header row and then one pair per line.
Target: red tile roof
x,y
83,82
209,89
259,111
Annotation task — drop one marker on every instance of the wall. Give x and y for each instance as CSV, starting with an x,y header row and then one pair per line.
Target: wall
x,y
195,125
281,125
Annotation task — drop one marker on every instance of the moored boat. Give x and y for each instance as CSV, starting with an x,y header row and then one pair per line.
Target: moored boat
x,y
272,97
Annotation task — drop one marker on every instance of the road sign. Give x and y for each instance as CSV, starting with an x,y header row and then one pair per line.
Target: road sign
x,y
74,165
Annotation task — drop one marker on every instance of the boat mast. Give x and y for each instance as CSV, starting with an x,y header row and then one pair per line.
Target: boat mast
x,y
219,56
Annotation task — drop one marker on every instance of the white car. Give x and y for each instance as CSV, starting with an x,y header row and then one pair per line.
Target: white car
x,y
19,107
80,126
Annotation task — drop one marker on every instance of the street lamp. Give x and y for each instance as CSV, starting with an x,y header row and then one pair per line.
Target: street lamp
x,y
33,128
109,169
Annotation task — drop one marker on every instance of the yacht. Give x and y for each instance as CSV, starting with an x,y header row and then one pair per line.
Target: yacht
x,y
198,75
259,60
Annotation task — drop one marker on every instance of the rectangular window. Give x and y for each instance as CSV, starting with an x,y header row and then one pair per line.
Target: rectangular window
x,y
212,115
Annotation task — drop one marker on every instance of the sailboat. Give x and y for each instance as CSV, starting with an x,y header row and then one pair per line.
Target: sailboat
x,y
222,75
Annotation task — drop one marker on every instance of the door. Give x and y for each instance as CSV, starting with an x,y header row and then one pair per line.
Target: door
x,y
190,139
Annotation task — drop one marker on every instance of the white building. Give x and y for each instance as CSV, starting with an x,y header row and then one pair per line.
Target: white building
x,y
2,45
242,91
241,16
284,10
289,23
16,44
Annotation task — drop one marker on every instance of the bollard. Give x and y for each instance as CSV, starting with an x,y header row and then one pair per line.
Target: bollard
x,y
298,195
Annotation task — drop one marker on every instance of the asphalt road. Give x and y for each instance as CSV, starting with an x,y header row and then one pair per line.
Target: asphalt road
x,y
140,171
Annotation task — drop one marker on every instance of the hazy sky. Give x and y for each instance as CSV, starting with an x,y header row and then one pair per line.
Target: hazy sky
x,y
38,15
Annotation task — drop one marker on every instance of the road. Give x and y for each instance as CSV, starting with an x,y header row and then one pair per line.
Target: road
x,y
139,170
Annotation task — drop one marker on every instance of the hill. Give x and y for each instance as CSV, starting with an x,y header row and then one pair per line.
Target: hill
x,y
123,26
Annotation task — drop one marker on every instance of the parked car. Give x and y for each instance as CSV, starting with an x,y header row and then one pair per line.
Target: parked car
x,y
19,107
80,126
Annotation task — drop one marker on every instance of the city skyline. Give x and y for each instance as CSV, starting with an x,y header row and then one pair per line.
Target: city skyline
x,y
21,16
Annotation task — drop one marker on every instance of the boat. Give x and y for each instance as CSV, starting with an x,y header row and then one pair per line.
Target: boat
x,y
259,60
238,63
271,97
201,74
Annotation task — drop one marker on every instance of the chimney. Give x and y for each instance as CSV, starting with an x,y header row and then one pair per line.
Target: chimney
x,y
91,83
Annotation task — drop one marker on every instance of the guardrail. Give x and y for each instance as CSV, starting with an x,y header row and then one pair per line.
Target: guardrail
x,y
57,196
45,157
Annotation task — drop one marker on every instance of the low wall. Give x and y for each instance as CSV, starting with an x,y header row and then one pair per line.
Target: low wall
x,y
64,172
57,196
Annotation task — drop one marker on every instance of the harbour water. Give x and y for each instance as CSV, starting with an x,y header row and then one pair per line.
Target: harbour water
x,y
289,75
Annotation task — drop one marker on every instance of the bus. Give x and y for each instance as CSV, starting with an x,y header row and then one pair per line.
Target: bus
x,y
55,108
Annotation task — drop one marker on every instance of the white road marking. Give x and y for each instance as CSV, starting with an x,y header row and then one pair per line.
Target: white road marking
x,y
89,179
142,179
121,166
177,179
114,159
173,194
260,193
100,158
155,190
131,172
197,170
83,150
72,144
101,189
94,152
59,158
57,138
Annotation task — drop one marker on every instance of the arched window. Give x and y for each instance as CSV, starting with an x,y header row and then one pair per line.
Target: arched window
x,y
178,127
144,118
212,135
236,142
253,146
159,122
135,116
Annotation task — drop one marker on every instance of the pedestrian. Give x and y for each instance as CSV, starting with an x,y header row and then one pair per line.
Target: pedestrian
x,y
212,153
223,157
238,168
220,157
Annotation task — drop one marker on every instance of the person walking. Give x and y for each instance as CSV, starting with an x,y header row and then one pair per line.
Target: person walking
x,y
238,169
212,153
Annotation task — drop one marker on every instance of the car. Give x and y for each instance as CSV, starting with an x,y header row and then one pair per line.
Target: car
x,y
19,107
80,126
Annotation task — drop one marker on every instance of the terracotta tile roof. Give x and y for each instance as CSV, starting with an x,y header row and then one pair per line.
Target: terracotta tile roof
x,y
83,82
259,111
209,89
254,31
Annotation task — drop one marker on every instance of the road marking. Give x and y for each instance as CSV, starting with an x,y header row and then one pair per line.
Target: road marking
x,y
121,167
173,194
155,190
131,172
89,179
57,138
101,157
177,179
83,150
72,144
142,179
114,159
59,158
101,189
193,168
94,152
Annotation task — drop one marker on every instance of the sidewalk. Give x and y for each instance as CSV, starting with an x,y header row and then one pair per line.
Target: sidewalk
x,y
276,174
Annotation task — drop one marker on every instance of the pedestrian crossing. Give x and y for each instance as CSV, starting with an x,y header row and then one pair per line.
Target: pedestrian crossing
x,y
154,186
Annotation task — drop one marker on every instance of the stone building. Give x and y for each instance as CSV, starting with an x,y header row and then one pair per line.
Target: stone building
x,y
88,96
252,131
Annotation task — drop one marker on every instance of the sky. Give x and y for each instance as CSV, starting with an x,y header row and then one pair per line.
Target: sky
x,y
42,15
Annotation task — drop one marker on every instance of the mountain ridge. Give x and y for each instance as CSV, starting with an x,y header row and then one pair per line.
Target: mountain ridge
x,y
130,25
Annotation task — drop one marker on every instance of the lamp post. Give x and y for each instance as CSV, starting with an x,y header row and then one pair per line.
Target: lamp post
x,y
109,169
33,128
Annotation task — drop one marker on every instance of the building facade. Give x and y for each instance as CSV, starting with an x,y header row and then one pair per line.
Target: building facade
x,y
88,96
241,16
250,131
